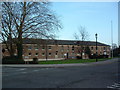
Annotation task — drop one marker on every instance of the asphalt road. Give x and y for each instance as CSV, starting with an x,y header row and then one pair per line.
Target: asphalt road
x,y
103,75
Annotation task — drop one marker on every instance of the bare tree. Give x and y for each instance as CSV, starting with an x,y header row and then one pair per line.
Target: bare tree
x,y
114,46
76,36
83,36
22,20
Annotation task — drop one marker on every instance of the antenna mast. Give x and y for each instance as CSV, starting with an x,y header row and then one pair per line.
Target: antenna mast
x,y
112,39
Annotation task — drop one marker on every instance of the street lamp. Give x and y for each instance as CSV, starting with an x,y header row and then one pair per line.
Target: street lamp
x,y
96,46
46,50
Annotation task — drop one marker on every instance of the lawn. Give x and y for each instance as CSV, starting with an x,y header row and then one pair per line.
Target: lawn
x,y
70,61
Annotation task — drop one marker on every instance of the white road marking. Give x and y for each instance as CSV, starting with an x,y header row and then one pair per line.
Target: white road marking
x,y
35,70
109,87
22,69
115,86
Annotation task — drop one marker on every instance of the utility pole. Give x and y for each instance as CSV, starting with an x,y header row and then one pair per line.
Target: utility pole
x,y
112,39
96,47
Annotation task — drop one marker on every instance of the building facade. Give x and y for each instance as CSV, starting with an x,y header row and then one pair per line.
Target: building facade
x,y
59,49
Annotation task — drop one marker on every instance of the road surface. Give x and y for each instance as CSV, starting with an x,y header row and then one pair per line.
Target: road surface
x,y
103,75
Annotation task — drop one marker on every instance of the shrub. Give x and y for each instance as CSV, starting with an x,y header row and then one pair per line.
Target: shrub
x,y
99,56
78,57
35,60
12,60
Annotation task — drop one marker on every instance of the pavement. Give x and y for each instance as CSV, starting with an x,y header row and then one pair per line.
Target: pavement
x,y
60,65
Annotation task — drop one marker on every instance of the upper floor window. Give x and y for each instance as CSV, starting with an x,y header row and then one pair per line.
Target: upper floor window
x,y
62,48
29,47
91,48
108,48
68,47
56,53
104,48
43,47
50,47
73,48
43,54
36,47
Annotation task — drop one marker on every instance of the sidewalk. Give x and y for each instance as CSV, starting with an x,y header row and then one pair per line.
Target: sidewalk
x,y
59,65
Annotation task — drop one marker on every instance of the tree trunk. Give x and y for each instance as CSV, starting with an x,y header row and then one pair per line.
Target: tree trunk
x,y
20,46
19,51
11,46
11,50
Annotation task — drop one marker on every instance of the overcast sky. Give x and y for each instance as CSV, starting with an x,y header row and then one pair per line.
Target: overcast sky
x,y
94,16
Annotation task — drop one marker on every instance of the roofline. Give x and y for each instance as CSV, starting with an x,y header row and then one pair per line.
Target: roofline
x,y
64,40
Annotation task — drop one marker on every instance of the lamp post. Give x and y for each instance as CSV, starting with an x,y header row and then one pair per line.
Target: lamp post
x,y
46,50
96,46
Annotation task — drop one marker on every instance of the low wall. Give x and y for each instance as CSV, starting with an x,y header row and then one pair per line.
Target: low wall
x,y
45,59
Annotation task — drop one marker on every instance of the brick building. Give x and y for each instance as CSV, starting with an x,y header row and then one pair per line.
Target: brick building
x,y
44,49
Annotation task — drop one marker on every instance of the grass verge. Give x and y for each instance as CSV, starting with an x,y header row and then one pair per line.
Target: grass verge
x,y
70,61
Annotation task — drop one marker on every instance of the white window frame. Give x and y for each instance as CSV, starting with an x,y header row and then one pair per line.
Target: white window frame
x,y
50,54
36,55
43,54
29,55
50,48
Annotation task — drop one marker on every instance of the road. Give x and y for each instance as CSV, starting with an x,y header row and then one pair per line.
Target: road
x,y
103,75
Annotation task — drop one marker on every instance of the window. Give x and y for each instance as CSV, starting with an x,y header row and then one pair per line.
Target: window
x,y
104,48
62,48
91,48
56,53
83,48
49,54
73,53
68,49
29,47
105,53
36,47
36,54
49,47
3,50
43,54
29,54
43,47
73,48
62,55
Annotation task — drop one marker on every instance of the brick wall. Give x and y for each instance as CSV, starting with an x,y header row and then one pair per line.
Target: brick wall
x,y
55,52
